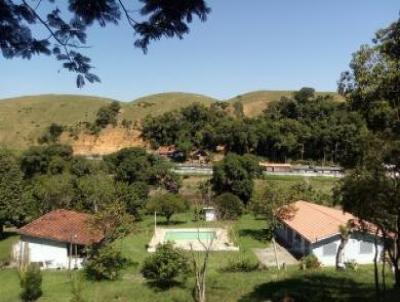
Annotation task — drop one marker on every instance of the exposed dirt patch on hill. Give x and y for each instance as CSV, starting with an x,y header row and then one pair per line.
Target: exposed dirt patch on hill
x,y
109,140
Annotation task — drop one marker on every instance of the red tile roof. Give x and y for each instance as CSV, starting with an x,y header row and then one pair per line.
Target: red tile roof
x,y
64,226
166,150
315,222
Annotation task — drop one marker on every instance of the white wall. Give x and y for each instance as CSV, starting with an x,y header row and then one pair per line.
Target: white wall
x,y
351,251
50,254
294,241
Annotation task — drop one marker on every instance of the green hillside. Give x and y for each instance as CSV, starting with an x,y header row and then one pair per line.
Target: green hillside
x,y
23,119
157,104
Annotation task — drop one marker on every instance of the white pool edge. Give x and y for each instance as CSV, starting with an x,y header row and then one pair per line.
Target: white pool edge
x,y
221,243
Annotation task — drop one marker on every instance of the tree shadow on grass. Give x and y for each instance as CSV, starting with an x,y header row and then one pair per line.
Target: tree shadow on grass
x,y
7,234
164,286
315,287
257,234
171,223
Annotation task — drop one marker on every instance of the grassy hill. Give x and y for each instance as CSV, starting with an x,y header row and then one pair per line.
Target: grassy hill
x,y
23,119
157,104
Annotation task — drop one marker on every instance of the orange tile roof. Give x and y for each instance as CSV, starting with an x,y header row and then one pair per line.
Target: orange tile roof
x,y
166,150
64,226
315,222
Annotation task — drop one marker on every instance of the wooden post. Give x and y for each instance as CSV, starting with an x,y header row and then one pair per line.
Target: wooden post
x,y
276,253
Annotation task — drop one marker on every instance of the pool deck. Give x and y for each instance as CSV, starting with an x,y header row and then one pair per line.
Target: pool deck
x,y
220,243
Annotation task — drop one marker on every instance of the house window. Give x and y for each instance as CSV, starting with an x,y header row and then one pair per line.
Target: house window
x,y
329,249
366,247
297,239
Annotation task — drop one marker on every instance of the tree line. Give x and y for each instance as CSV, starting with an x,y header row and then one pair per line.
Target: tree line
x,y
306,126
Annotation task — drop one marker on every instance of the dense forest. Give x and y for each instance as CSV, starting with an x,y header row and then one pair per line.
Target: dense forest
x,y
303,127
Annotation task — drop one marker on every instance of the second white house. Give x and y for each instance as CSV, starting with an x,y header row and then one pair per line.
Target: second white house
x,y
315,229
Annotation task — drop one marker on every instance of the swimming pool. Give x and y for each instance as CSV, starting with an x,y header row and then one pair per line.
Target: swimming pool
x,y
189,235
196,239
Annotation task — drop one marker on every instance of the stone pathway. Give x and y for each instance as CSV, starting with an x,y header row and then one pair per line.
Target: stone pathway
x,y
267,257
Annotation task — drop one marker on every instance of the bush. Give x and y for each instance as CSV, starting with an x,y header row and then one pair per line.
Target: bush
x,y
107,115
51,134
165,265
351,265
31,283
241,264
104,263
309,262
229,206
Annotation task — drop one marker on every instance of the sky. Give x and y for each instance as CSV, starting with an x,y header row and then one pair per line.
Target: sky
x,y
245,45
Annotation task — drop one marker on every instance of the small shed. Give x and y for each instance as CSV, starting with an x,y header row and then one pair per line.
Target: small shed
x,y
209,213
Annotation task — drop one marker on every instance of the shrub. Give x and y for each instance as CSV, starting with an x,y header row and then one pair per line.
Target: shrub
x,y
241,264
104,263
126,123
107,115
165,265
51,134
77,289
229,206
309,262
31,283
352,265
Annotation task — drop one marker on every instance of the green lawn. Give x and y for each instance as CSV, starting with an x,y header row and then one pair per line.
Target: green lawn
x,y
324,284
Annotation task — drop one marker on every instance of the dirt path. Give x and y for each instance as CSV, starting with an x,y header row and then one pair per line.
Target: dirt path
x,y
267,257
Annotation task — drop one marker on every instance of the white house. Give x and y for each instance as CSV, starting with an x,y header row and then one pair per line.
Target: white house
x,y
314,229
56,240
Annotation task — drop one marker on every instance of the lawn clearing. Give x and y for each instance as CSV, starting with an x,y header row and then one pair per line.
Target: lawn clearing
x,y
261,285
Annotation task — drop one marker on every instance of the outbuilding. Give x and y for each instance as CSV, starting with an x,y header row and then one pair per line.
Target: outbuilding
x,y
210,214
314,229
276,167
56,240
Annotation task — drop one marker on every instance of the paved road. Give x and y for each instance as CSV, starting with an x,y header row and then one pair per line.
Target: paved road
x,y
207,170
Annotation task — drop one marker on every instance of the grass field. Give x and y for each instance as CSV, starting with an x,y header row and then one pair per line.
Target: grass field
x,y
323,284
322,184
23,119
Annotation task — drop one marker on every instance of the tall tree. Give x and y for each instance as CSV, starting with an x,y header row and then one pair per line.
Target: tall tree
x,y
372,194
372,88
167,205
235,174
52,192
12,204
